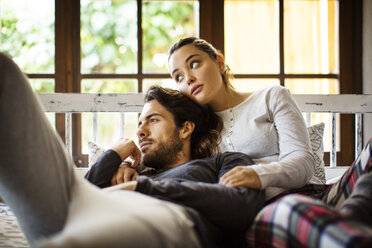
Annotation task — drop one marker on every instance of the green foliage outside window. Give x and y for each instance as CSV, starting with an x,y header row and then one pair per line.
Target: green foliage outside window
x,y
165,22
109,37
28,38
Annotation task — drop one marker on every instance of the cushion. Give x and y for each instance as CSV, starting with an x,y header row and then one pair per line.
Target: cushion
x,y
316,138
95,151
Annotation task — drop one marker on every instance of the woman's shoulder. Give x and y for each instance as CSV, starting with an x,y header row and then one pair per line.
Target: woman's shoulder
x,y
272,89
274,93
266,93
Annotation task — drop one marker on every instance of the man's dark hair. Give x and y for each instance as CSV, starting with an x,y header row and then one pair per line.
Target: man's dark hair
x,y
208,126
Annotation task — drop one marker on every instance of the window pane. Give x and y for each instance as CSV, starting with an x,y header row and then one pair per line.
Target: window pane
x,y
163,23
166,82
42,85
311,36
109,128
109,124
109,36
248,85
109,85
252,36
313,86
27,34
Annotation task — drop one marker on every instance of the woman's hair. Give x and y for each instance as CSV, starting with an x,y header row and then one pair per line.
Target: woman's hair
x,y
208,126
208,48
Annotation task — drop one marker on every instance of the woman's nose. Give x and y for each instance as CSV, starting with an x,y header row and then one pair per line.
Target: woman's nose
x,y
190,79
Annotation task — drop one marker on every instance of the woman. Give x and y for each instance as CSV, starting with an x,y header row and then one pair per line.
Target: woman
x,y
267,124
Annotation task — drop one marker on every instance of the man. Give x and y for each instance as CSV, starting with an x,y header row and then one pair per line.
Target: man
x,y
176,138
172,130
56,208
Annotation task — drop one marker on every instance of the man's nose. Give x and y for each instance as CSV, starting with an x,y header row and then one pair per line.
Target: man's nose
x,y
142,132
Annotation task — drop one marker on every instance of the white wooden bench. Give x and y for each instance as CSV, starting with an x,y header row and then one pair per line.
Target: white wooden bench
x,y
69,103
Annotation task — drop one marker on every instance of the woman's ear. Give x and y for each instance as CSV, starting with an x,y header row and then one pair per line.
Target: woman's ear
x,y
221,62
187,129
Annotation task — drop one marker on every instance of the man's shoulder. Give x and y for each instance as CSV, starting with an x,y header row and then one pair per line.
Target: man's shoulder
x,y
235,157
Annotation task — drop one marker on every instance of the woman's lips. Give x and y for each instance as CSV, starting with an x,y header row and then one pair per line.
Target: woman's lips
x,y
196,89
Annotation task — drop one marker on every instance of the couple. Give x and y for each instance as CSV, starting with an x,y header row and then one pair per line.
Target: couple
x,y
56,208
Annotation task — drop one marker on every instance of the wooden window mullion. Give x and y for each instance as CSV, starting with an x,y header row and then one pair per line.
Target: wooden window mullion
x,y
212,22
63,54
140,45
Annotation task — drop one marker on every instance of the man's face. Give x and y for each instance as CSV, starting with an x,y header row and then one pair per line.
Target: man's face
x,y
158,136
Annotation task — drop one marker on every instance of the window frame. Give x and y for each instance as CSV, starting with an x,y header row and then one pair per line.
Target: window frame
x,y
68,56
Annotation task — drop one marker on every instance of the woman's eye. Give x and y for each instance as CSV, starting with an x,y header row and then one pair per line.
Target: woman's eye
x,y
194,64
178,78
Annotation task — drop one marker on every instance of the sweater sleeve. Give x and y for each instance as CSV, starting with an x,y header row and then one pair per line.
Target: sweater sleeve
x,y
227,208
295,166
102,171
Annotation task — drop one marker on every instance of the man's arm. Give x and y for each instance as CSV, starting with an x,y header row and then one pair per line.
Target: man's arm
x,y
102,172
227,208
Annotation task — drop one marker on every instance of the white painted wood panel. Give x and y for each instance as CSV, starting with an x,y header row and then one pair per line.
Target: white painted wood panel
x,y
133,102
335,103
75,102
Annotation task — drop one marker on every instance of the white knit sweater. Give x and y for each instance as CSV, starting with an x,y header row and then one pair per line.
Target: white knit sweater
x,y
269,127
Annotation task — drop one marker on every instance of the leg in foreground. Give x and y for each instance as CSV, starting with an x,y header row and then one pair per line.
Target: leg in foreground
x,y
34,167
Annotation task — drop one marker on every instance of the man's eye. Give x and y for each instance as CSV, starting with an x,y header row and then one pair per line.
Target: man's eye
x,y
153,120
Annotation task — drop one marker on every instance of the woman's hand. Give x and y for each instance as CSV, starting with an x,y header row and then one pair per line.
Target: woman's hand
x,y
123,175
241,176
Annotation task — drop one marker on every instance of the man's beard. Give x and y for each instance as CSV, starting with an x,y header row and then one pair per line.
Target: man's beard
x,y
165,154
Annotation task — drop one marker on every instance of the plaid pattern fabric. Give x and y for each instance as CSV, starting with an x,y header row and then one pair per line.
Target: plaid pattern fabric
x,y
343,188
300,221
297,220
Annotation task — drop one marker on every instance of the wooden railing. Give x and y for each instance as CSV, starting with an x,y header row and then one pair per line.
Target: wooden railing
x,y
69,103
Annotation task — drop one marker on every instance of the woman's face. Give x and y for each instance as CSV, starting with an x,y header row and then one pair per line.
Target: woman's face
x,y
197,75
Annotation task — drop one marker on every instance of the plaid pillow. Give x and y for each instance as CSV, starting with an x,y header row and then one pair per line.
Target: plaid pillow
x,y
301,221
343,188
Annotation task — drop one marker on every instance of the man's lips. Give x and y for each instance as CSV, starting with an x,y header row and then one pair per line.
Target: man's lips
x,y
196,89
144,144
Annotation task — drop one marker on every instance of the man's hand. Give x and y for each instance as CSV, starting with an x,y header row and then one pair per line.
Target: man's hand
x,y
241,176
127,148
124,174
123,186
